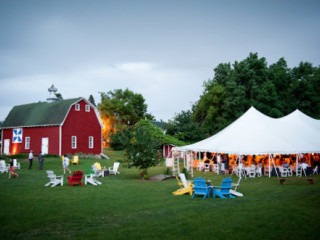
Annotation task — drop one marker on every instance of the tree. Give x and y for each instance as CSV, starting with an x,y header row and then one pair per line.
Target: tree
x,y
127,107
142,145
183,128
92,101
119,109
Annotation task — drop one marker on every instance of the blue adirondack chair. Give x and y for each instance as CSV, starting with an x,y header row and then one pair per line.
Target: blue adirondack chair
x,y
224,189
200,188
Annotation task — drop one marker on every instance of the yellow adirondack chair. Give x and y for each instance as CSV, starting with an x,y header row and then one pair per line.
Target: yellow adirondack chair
x,y
186,187
97,165
75,160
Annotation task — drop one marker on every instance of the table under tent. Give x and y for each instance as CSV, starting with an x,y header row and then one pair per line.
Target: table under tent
x,y
256,134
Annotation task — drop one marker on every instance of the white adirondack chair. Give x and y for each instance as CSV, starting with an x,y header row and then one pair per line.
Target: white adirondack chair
x,y
16,164
54,180
92,179
236,185
114,169
3,166
97,172
184,181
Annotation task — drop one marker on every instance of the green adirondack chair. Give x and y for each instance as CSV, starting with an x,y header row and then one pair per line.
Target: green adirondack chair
x,y
89,171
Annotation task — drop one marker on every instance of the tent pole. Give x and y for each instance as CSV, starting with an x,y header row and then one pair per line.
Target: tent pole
x,y
191,156
274,165
297,164
269,167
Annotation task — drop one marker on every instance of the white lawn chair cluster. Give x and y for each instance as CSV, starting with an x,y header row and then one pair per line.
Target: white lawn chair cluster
x,y
4,167
92,178
54,180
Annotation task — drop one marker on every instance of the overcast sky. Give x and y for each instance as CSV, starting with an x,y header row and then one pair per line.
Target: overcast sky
x,y
161,49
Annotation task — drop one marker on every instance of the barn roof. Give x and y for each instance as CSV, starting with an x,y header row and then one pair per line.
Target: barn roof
x,y
39,114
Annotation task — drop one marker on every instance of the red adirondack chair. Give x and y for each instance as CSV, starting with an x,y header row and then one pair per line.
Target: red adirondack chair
x,y
76,178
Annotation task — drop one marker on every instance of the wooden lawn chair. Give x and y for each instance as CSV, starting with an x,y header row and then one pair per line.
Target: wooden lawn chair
x,y
234,191
76,178
4,167
186,187
100,173
200,188
54,180
92,179
114,169
224,189
89,171
75,160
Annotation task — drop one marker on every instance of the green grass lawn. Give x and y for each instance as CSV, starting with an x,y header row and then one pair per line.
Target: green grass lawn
x,y
124,207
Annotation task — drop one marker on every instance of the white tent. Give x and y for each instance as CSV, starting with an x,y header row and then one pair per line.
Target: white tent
x,y
255,133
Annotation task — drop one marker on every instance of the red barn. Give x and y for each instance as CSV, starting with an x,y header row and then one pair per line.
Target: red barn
x,y
62,126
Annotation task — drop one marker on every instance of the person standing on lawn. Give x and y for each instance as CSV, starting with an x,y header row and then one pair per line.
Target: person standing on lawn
x,y
41,159
65,164
30,159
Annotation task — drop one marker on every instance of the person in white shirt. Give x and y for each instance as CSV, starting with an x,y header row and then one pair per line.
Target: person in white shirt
x,y
65,164
30,159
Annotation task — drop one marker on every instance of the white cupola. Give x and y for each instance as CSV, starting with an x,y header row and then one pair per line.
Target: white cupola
x,y
52,94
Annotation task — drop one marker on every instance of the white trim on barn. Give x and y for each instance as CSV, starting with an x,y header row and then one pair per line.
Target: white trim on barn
x,y
1,141
60,139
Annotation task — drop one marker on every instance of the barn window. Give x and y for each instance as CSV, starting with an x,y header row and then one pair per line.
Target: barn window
x,y
87,108
27,143
73,142
90,142
77,107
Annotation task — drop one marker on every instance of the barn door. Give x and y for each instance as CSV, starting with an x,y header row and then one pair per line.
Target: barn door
x,y
6,146
45,145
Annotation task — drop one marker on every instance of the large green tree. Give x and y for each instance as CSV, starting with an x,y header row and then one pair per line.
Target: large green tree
x,y
119,109
126,106
275,90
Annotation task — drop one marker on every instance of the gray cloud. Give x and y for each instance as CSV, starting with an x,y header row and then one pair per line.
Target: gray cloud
x,y
161,49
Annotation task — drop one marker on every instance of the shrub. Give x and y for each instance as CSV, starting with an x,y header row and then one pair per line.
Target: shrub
x,y
19,156
51,156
